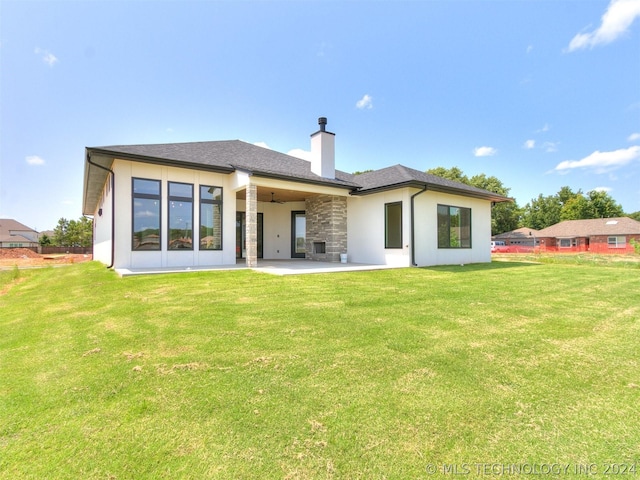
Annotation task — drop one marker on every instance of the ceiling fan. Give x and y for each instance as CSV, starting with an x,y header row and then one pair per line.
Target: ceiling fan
x,y
273,200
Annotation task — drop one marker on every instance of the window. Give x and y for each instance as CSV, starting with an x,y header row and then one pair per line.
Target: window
x,y
616,242
146,214
210,218
180,216
393,225
454,227
565,243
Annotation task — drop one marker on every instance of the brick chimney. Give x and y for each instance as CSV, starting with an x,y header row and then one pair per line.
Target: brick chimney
x,y
323,151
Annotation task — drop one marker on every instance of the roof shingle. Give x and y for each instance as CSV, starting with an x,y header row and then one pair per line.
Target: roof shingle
x,y
590,227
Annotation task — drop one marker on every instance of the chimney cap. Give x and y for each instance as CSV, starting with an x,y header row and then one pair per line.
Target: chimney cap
x,y
322,121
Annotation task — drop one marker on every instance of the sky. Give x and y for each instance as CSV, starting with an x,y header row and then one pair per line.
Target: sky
x,y
539,93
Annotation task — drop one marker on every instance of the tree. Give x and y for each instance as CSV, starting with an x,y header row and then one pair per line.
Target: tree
x,y
569,205
453,173
577,208
542,212
604,205
72,233
505,216
635,215
44,240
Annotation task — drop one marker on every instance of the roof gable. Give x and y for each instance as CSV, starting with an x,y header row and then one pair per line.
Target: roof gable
x,y
9,225
400,176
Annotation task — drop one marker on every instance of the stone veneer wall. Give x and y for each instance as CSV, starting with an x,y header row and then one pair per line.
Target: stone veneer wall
x,y
326,217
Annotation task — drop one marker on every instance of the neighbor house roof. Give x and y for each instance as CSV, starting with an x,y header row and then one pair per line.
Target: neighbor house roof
x,y
7,225
591,227
518,233
226,156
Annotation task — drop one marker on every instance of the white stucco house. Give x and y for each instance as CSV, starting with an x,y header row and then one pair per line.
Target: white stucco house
x,y
222,202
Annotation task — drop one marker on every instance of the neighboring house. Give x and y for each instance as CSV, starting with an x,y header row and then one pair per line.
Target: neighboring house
x,y
14,234
599,235
520,240
213,203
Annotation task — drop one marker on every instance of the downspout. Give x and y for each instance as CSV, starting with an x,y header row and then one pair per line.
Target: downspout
x,y
113,206
413,234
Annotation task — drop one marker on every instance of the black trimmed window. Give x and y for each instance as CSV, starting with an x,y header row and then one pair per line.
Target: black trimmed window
x,y
145,209
180,205
393,225
454,227
210,218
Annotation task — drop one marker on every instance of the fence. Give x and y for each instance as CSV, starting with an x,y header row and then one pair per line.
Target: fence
x,y
593,248
61,250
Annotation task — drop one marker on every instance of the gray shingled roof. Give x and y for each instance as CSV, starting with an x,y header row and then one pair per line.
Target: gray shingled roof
x,y
228,155
399,176
596,226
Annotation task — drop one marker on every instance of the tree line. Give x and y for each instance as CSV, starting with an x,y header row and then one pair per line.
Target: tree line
x,y
70,233
540,212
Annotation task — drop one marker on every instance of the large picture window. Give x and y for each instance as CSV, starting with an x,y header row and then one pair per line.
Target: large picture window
x,y
454,227
210,218
146,214
393,225
180,216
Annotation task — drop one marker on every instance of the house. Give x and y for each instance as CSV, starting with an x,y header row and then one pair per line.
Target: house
x,y
220,202
14,234
520,240
599,235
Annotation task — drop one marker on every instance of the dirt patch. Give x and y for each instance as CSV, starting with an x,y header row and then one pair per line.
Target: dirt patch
x,y
23,257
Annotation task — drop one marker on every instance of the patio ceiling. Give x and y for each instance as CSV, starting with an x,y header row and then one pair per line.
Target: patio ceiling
x,y
279,195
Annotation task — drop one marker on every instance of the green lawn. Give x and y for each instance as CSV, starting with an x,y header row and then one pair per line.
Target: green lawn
x,y
388,374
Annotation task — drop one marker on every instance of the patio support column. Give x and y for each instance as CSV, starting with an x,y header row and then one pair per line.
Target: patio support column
x,y
252,226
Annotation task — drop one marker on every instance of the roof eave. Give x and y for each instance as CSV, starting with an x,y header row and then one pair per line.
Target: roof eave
x,y
435,188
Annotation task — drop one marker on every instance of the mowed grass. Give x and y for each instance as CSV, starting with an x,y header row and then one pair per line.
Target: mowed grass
x,y
385,374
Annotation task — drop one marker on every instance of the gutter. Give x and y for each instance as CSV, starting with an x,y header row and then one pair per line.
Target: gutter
x,y
113,206
413,235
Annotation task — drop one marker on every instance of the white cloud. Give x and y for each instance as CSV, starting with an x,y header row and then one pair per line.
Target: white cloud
x,y
633,137
602,162
365,102
601,189
263,145
34,160
484,151
529,144
550,147
615,22
300,153
529,48
47,57
546,128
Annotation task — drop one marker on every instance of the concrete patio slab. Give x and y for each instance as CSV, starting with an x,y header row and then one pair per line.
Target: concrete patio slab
x,y
274,267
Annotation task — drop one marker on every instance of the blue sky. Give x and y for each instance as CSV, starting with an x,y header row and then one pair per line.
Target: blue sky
x,y
540,94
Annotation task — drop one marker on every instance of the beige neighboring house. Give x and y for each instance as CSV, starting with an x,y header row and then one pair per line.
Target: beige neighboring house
x,y
14,234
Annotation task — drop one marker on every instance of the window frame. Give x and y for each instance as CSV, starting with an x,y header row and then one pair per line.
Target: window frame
x,y
213,202
387,243
447,228
146,196
617,243
183,199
